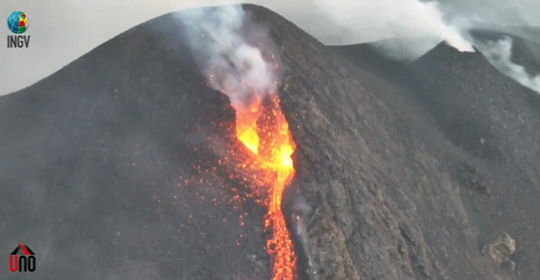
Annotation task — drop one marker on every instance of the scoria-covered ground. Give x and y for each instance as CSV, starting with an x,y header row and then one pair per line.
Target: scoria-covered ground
x,y
110,168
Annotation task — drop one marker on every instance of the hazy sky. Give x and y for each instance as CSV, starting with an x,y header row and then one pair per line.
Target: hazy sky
x,y
63,30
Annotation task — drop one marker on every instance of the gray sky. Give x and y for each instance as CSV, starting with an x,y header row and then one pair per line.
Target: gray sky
x,y
63,30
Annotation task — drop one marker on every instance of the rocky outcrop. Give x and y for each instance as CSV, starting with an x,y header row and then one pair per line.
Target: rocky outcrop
x,y
501,249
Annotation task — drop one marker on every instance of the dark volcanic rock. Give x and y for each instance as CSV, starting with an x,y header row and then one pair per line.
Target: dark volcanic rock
x,y
495,120
94,155
484,128
94,164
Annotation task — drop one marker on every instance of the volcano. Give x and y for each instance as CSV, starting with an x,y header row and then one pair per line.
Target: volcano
x,y
125,164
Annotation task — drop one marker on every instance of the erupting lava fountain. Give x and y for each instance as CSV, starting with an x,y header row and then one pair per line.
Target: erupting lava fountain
x,y
248,75
262,128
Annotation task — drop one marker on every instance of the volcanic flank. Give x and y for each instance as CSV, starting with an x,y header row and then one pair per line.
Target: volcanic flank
x,y
130,164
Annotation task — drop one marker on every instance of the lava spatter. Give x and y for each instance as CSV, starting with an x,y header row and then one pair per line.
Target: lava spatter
x,y
264,130
262,166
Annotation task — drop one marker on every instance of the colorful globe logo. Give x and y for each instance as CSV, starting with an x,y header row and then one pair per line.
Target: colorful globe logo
x,y
18,22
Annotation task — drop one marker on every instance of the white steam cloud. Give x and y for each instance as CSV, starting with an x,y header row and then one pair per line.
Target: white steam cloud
x,y
499,53
384,19
420,25
230,64
404,30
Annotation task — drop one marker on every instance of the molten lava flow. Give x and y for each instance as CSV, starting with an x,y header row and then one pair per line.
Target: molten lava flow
x,y
264,130
246,125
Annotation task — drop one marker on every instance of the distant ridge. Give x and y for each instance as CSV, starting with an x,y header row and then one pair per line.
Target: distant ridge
x,y
525,50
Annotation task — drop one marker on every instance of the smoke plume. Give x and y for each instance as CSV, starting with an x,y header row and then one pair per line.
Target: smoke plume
x,y
499,53
301,212
219,41
404,30
364,21
331,22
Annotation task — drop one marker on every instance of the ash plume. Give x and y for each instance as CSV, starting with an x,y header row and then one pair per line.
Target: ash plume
x,y
499,53
219,41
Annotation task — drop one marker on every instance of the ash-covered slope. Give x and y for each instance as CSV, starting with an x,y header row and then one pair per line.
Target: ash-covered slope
x,y
496,120
93,157
370,59
494,123
95,164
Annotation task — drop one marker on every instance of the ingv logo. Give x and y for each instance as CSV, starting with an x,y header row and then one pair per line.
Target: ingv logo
x,y
22,259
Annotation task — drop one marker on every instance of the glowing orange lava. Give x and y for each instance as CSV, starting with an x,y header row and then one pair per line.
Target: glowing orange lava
x,y
265,132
